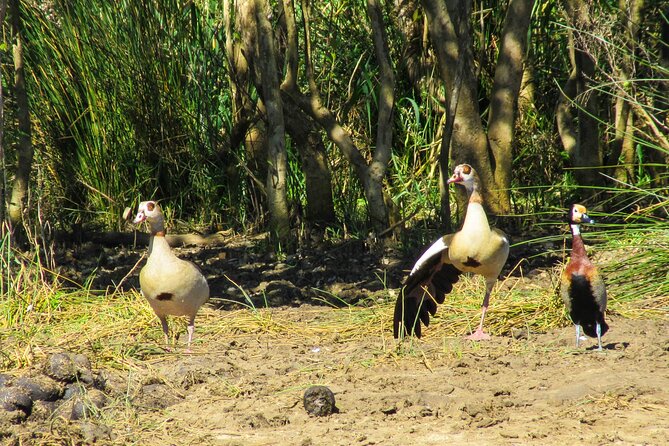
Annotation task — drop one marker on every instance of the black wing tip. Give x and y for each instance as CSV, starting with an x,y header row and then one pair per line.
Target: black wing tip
x,y
410,313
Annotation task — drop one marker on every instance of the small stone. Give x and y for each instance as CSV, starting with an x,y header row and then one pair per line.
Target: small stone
x,y
62,368
88,405
42,410
69,368
83,366
96,433
5,380
389,410
15,398
425,412
319,401
8,418
40,388
73,390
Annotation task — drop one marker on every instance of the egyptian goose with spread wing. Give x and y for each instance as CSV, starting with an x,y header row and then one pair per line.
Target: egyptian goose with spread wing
x,y
475,248
172,286
582,288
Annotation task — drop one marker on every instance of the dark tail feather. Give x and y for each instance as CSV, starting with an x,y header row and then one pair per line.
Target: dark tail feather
x,y
443,281
410,312
406,318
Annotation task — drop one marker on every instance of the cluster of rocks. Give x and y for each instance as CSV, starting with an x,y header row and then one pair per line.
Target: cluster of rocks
x,y
66,387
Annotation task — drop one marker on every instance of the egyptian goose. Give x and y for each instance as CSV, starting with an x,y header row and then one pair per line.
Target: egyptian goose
x,y
474,248
582,288
172,286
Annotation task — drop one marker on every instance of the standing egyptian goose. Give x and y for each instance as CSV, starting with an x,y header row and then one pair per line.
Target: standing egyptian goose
x,y
475,248
172,286
582,288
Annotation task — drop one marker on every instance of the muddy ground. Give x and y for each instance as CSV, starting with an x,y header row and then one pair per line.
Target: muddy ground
x,y
538,391
535,389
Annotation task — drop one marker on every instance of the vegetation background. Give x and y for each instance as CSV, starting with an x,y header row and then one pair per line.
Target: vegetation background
x,y
332,120
334,115
325,129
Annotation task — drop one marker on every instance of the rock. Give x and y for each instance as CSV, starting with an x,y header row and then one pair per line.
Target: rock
x,y
40,387
5,380
319,401
67,367
15,399
88,405
61,367
83,367
96,433
42,410
8,418
73,390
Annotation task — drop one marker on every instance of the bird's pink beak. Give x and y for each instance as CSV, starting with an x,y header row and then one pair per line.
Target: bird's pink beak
x,y
141,216
454,179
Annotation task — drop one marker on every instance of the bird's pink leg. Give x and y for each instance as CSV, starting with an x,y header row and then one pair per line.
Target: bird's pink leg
x,y
479,334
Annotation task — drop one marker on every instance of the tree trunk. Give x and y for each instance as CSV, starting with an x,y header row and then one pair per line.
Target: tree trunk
x,y
238,72
505,94
585,151
384,131
3,163
248,129
277,158
451,38
21,184
306,138
313,106
622,146
314,162
259,42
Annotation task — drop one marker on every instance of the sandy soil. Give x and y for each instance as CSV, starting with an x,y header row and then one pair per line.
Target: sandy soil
x,y
247,389
534,391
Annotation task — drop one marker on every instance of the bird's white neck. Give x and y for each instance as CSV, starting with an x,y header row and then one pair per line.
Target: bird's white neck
x,y
158,243
575,229
476,219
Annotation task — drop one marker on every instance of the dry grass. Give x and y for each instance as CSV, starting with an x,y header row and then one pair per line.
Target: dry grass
x,y
40,315
121,331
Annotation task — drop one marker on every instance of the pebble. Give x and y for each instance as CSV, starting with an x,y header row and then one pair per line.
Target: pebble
x,y
15,398
88,405
40,388
319,401
61,367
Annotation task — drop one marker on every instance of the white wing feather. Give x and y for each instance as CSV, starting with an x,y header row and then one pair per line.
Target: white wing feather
x,y
436,248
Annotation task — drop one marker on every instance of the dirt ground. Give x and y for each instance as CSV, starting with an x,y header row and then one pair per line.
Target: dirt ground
x,y
535,389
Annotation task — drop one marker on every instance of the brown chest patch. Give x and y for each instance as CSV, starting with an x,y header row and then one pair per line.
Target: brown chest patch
x,y
165,296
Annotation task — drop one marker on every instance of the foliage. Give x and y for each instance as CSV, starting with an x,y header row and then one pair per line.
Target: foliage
x,y
133,100
129,101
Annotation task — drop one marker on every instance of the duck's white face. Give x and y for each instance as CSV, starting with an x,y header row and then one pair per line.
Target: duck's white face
x,y
464,174
579,214
148,210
